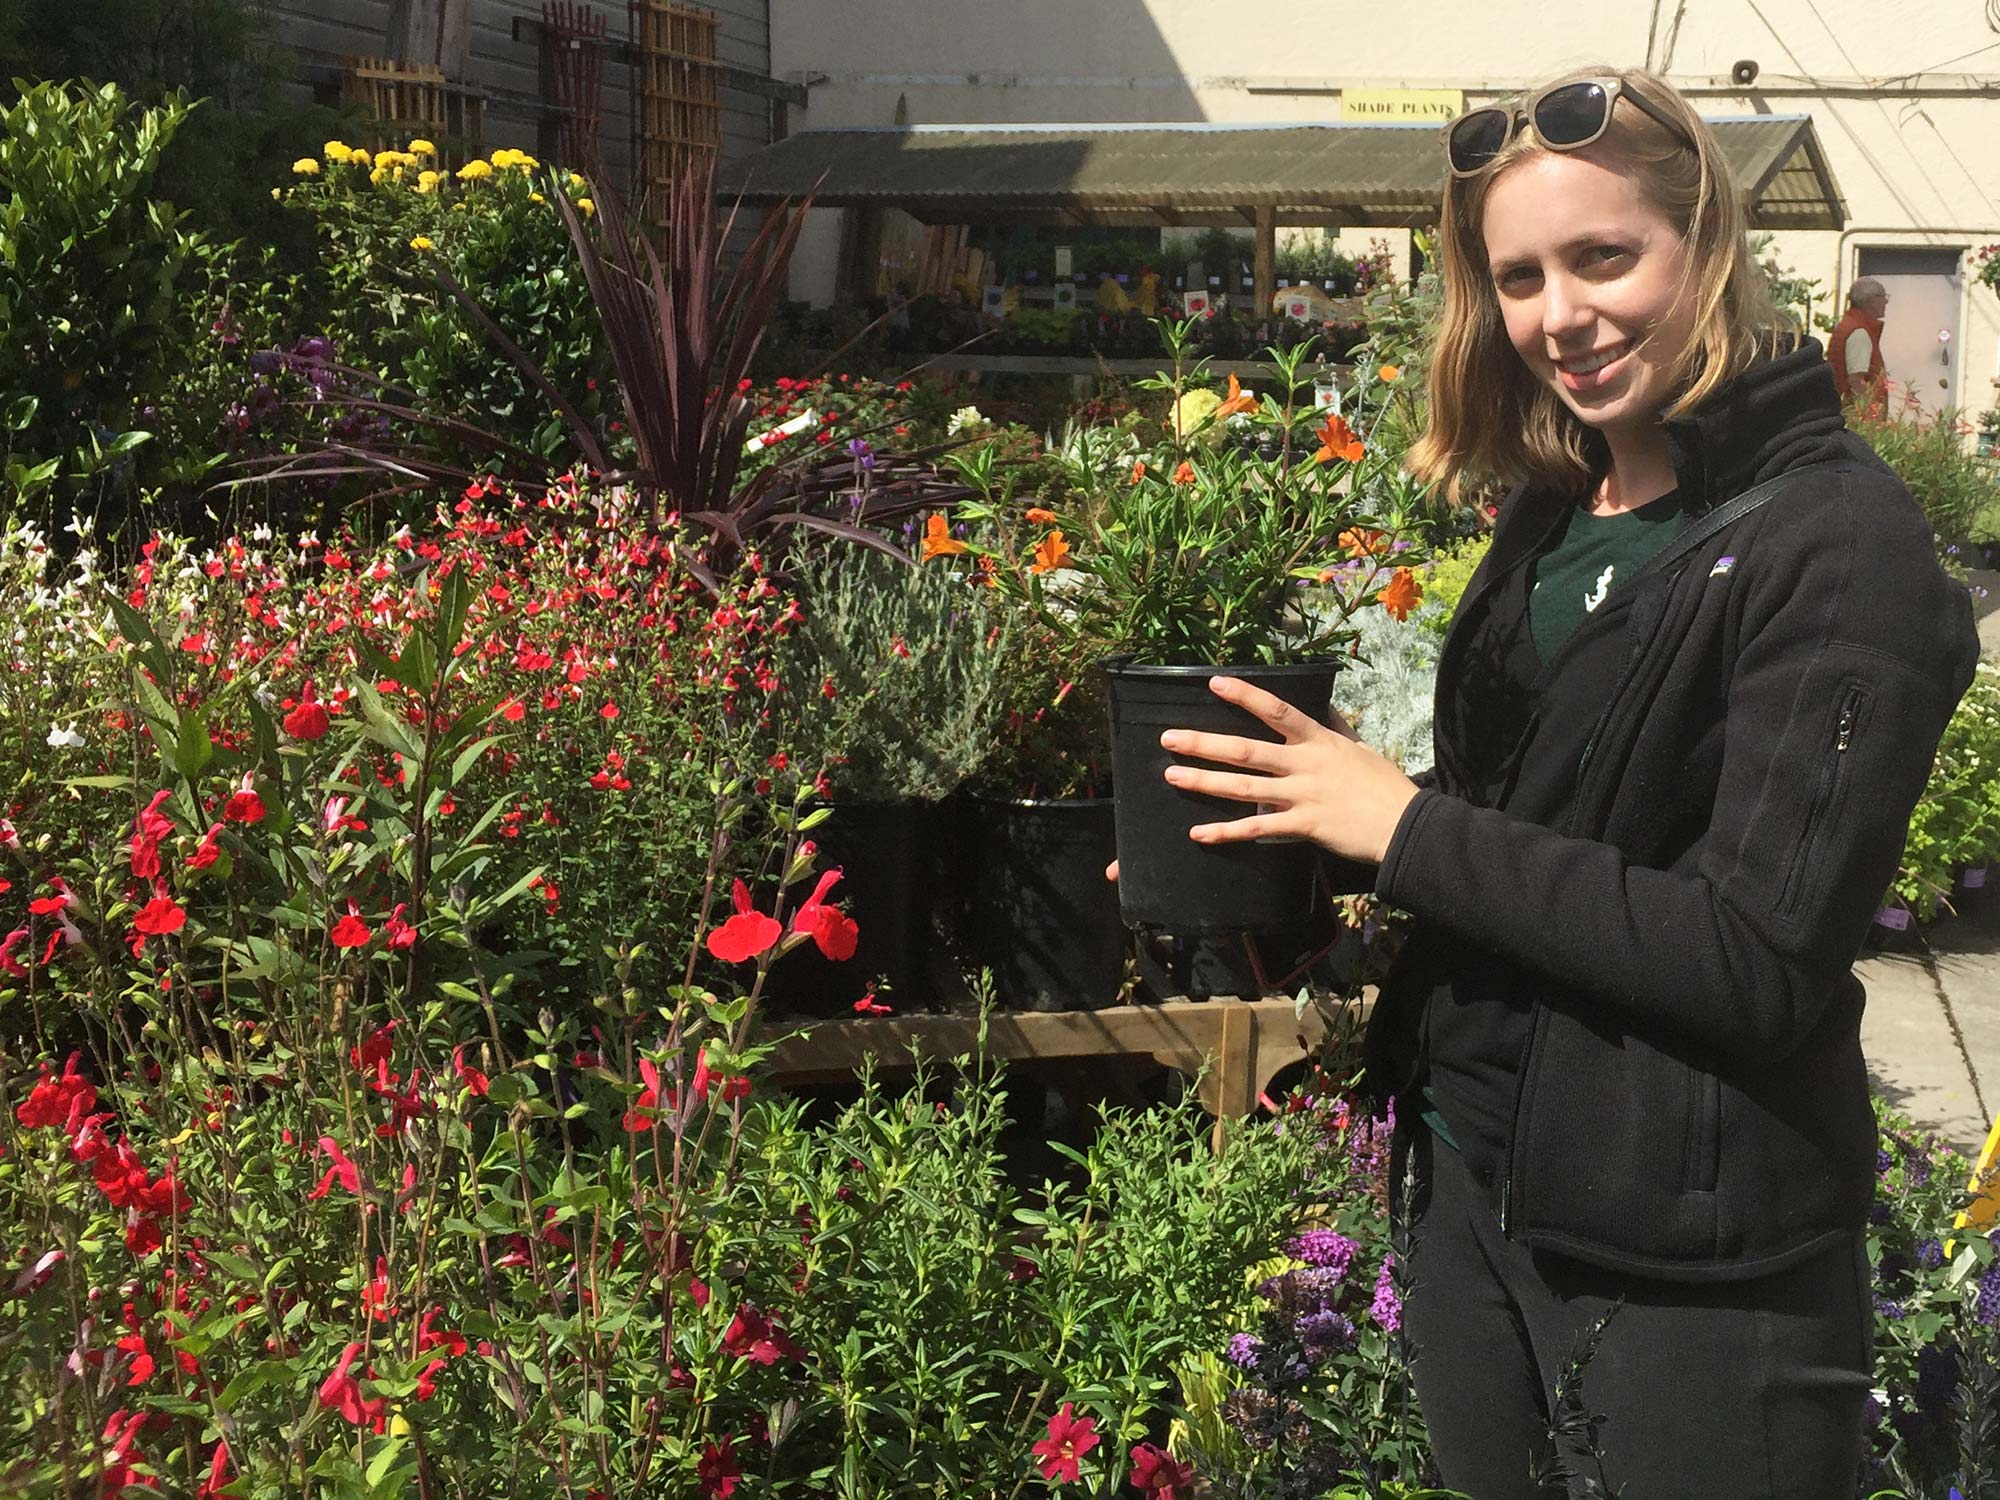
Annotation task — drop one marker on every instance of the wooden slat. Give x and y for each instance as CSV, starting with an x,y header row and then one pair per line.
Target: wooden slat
x,y
678,113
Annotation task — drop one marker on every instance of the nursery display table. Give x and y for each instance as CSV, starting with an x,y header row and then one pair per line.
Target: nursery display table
x,y
1250,1040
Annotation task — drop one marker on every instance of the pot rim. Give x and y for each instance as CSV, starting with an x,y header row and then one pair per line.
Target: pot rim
x,y
1123,665
992,801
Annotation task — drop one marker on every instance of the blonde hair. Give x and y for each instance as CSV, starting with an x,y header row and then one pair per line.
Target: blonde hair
x,y
1484,421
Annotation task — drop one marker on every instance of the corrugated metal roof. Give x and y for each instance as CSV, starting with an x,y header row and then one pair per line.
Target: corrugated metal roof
x,y
1358,174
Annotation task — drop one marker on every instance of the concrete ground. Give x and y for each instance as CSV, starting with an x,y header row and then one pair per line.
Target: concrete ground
x,y
1931,1032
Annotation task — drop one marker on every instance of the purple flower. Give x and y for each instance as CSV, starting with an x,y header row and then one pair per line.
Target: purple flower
x,y
1883,1162
1987,1308
1325,1333
863,454
1930,1255
1388,1308
1885,1308
1323,1248
1244,1349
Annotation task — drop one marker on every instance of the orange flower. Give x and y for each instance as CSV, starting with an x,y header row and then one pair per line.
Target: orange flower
x,y
1361,542
1138,469
1402,594
1235,401
1052,553
1388,372
938,540
1337,440
1185,473
1040,517
983,571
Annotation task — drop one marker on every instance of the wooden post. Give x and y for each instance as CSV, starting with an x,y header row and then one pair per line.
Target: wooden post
x,y
1266,268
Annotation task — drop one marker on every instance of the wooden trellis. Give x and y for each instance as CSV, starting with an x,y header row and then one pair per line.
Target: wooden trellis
x,y
413,99
573,80
678,96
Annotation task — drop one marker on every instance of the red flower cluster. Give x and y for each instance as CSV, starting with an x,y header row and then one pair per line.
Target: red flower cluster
x,y
69,1102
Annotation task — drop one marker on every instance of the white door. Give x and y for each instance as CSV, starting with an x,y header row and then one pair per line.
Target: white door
x,y
1920,331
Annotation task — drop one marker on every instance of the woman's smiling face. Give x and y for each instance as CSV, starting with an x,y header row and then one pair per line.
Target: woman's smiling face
x,y
1583,266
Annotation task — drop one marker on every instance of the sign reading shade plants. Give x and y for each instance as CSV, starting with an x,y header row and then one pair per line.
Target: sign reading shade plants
x,y
1191,561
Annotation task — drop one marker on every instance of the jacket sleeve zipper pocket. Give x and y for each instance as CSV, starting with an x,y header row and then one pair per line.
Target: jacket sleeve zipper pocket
x,y
1851,705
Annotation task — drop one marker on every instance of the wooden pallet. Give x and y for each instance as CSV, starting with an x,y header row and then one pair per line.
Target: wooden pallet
x,y
1250,1042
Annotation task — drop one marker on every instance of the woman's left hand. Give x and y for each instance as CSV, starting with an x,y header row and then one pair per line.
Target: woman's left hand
x,y
1324,783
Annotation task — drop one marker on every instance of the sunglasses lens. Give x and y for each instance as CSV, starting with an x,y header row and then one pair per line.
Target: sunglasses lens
x,y
1477,139
1572,114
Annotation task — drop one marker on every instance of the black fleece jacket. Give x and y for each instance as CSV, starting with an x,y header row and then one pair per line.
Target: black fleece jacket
x,y
1676,892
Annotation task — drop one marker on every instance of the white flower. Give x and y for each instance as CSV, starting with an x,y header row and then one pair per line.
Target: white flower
x,y
964,419
65,737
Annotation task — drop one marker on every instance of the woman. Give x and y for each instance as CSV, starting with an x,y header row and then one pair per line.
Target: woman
x,y
1683,714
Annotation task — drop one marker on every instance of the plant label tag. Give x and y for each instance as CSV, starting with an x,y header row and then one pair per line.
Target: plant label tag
x,y
1063,260
1975,878
1894,918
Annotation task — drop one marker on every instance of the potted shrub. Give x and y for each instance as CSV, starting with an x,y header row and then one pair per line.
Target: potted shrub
x,y
894,675
1195,560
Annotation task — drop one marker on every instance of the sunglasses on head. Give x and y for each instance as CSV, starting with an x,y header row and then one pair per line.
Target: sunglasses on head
x,y
1565,117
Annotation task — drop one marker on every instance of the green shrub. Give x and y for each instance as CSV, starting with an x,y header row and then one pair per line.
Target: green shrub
x,y
1957,821
1929,454
89,271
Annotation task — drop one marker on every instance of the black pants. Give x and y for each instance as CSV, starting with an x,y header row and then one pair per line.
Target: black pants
x,y
1722,1391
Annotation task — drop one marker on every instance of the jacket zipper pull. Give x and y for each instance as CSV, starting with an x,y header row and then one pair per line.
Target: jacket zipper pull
x,y
1506,1196
1846,729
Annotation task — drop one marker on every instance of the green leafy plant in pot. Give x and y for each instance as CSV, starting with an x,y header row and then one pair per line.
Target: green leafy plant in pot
x,y
1190,564
895,675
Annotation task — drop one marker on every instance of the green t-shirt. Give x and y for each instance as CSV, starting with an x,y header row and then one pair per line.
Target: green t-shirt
x,y
1587,561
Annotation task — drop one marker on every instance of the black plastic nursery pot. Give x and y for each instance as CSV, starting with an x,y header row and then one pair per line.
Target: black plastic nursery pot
x,y
882,849
1040,912
1968,892
1894,930
1165,878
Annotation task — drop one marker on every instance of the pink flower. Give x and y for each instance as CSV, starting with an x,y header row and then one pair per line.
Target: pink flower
x,y
747,933
1070,1438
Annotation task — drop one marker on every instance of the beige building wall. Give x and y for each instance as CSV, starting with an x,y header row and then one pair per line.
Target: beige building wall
x,y
1905,99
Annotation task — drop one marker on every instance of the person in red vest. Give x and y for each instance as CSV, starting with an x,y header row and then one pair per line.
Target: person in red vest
x,y
1854,348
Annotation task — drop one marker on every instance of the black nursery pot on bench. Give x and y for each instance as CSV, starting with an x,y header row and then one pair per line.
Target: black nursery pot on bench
x,y
1165,878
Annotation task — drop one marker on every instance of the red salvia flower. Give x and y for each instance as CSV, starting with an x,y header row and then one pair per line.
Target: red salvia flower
x,y
343,1170
468,1075
341,1392
350,931
747,933
832,929
309,721
401,935
376,1048
244,806
160,916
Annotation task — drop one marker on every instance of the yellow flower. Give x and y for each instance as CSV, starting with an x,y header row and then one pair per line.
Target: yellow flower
x,y
576,181
422,243
336,152
427,182
275,193
588,208
536,198
306,166
472,171
422,147
507,156
377,175
359,157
